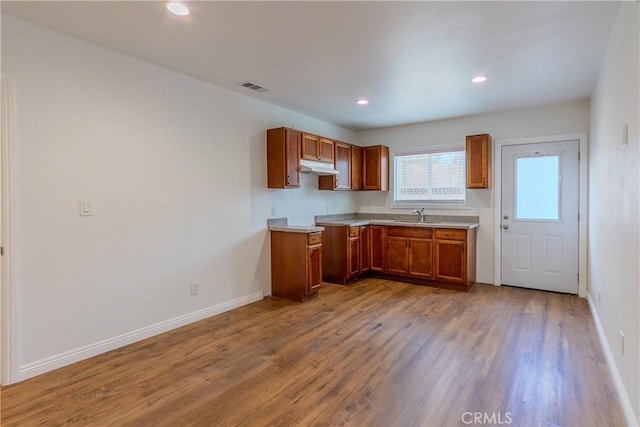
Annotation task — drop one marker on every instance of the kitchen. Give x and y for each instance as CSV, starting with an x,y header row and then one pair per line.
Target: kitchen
x,y
132,136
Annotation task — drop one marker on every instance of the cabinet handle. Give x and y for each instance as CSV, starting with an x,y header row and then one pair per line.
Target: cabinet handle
x,y
288,180
337,182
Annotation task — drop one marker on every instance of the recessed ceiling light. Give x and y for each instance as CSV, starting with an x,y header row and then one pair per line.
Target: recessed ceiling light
x,y
178,9
479,79
362,101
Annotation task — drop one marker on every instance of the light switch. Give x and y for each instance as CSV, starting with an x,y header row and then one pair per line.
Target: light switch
x,y
85,208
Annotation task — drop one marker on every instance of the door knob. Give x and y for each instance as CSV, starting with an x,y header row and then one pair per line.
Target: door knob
x,y
505,226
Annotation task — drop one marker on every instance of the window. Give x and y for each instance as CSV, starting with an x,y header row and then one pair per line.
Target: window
x,y
436,177
538,187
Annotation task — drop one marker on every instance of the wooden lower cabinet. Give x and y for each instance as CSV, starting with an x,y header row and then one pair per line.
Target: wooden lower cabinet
x,y
409,251
378,246
296,264
314,269
353,256
433,256
365,249
455,256
346,253
420,258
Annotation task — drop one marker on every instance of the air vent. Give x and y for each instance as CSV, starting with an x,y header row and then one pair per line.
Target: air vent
x,y
253,86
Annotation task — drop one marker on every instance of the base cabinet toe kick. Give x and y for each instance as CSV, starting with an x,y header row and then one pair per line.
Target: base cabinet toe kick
x,y
440,257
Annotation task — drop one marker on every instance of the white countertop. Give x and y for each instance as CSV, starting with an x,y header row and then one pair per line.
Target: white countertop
x,y
297,228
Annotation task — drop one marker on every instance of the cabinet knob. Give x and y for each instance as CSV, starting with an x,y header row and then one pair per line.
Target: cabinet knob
x,y
288,180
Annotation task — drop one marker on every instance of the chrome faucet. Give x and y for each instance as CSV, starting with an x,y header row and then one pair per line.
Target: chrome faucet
x,y
421,213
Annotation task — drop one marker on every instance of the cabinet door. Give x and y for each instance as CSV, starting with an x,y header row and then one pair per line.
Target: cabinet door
x,y
356,167
365,249
421,258
397,255
353,257
450,261
310,147
292,155
478,154
325,150
375,168
314,267
378,247
283,158
343,165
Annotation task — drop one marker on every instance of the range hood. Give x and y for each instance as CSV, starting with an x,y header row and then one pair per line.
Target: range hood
x,y
320,168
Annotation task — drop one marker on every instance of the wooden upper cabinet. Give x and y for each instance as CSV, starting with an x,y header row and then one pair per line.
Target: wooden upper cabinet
x,y
375,168
343,165
356,167
283,158
325,148
478,153
342,181
317,148
310,147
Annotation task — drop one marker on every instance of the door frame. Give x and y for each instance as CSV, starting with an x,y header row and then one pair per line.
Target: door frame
x,y
9,361
583,182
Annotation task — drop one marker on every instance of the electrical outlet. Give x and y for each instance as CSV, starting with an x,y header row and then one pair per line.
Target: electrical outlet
x,y
599,296
621,343
273,211
195,289
327,208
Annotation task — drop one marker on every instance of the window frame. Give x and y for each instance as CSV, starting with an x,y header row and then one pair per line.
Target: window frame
x,y
430,204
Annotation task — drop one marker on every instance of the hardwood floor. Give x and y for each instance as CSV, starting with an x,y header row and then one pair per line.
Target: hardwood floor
x,y
374,353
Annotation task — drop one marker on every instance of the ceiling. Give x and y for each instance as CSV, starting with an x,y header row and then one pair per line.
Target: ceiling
x,y
413,60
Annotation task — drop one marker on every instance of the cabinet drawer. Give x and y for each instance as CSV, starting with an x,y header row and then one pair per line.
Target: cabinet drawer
x,y
314,238
419,232
451,234
354,231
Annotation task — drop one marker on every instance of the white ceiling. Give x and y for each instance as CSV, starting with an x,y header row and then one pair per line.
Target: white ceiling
x,y
414,60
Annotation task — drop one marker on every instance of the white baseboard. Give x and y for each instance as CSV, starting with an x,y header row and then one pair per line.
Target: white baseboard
x,y
38,367
613,368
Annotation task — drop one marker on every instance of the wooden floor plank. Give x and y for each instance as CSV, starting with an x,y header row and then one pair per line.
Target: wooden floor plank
x,y
376,352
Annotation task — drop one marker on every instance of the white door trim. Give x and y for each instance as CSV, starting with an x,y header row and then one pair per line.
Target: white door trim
x,y
582,201
8,334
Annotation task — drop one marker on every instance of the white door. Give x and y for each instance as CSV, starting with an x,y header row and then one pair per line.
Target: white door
x,y
540,188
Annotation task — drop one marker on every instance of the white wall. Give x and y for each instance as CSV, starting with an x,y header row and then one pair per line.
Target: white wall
x,y
614,208
572,117
176,170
